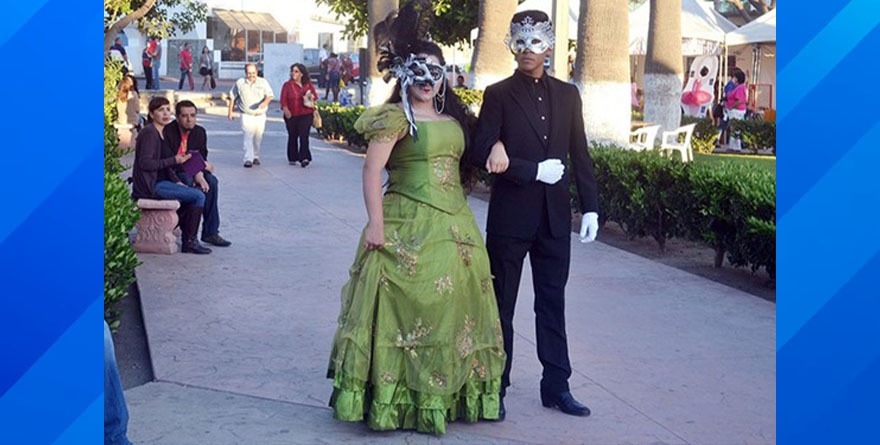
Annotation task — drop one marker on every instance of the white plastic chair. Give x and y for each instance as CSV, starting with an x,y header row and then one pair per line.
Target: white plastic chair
x,y
643,138
670,142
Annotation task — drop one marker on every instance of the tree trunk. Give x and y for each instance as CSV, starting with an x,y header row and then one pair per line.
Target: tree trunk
x,y
111,33
492,60
663,65
376,90
601,70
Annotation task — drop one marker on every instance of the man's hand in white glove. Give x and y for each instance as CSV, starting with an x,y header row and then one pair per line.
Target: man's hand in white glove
x,y
589,227
550,171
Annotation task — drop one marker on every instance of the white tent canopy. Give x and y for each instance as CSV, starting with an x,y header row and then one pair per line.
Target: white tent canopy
x,y
702,29
762,29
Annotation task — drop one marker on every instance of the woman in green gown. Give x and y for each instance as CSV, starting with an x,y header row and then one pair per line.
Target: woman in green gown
x,y
418,341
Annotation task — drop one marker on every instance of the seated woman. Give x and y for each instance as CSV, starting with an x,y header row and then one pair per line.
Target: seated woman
x,y
154,177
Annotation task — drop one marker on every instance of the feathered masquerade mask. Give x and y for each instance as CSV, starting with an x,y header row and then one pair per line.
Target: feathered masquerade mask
x,y
396,40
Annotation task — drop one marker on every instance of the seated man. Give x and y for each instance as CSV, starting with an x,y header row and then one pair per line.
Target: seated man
x,y
184,135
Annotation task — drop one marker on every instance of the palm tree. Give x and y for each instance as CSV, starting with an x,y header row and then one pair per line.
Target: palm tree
x,y
376,91
663,65
601,70
492,61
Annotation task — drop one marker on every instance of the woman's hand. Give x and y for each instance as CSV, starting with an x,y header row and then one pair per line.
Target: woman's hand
x,y
286,112
374,238
201,182
181,158
498,160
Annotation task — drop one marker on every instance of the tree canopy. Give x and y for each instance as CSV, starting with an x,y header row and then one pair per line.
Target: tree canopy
x,y
160,18
453,22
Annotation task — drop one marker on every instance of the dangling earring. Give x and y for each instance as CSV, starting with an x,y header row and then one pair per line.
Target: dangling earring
x,y
440,97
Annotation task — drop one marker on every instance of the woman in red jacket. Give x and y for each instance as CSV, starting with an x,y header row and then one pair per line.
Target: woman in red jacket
x,y
298,98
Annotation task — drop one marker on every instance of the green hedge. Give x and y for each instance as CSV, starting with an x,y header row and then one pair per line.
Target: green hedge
x,y
730,207
120,213
470,97
705,133
756,135
338,123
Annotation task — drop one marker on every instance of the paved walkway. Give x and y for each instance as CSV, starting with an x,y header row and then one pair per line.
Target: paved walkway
x,y
240,352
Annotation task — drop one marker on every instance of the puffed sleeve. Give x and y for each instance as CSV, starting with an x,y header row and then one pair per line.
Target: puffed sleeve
x,y
382,123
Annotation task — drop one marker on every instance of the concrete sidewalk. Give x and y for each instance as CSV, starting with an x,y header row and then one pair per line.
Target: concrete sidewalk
x,y
240,338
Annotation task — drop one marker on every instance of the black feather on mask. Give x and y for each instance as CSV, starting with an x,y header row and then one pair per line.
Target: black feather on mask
x,y
398,38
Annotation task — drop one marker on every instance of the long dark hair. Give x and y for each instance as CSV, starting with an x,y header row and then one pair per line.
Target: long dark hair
x,y
306,80
453,107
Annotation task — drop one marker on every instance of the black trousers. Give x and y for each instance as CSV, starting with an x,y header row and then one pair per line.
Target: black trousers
x,y
298,138
148,73
549,258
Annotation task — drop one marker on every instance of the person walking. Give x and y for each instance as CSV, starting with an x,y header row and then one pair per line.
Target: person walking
x,y
206,69
251,96
186,63
298,98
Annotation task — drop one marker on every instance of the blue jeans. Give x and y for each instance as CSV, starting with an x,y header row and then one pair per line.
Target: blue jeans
x,y
186,195
156,65
115,411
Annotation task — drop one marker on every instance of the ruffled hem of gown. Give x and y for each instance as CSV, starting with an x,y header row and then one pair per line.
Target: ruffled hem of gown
x,y
395,406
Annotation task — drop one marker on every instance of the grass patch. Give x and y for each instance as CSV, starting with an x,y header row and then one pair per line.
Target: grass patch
x,y
767,163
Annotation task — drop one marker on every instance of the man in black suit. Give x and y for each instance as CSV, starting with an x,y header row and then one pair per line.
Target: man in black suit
x,y
184,133
538,119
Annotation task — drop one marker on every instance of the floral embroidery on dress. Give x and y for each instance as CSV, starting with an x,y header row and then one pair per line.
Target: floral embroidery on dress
x,y
499,338
407,252
444,285
387,377
486,285
383,281
444,170
465,245
464,342
477,369
410,341
437,379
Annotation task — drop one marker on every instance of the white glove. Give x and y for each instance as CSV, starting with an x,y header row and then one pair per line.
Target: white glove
x,y
550,171
589,227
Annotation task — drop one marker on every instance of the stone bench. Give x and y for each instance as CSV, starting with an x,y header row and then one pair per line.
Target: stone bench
x,y
157,230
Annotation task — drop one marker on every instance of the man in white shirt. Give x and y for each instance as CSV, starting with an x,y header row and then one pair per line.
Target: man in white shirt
x,y
250,96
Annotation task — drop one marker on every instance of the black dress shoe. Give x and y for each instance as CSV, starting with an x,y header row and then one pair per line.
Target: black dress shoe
x,y
256,161
304,163
248,164
193,246
216,240
566,403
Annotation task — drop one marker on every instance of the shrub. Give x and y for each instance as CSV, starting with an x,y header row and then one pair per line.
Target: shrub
x,y
120,213
339,122
730,207
470,97
756,135
705,133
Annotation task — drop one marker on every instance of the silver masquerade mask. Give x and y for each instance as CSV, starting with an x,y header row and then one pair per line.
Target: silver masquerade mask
x,y
528,35
416,71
